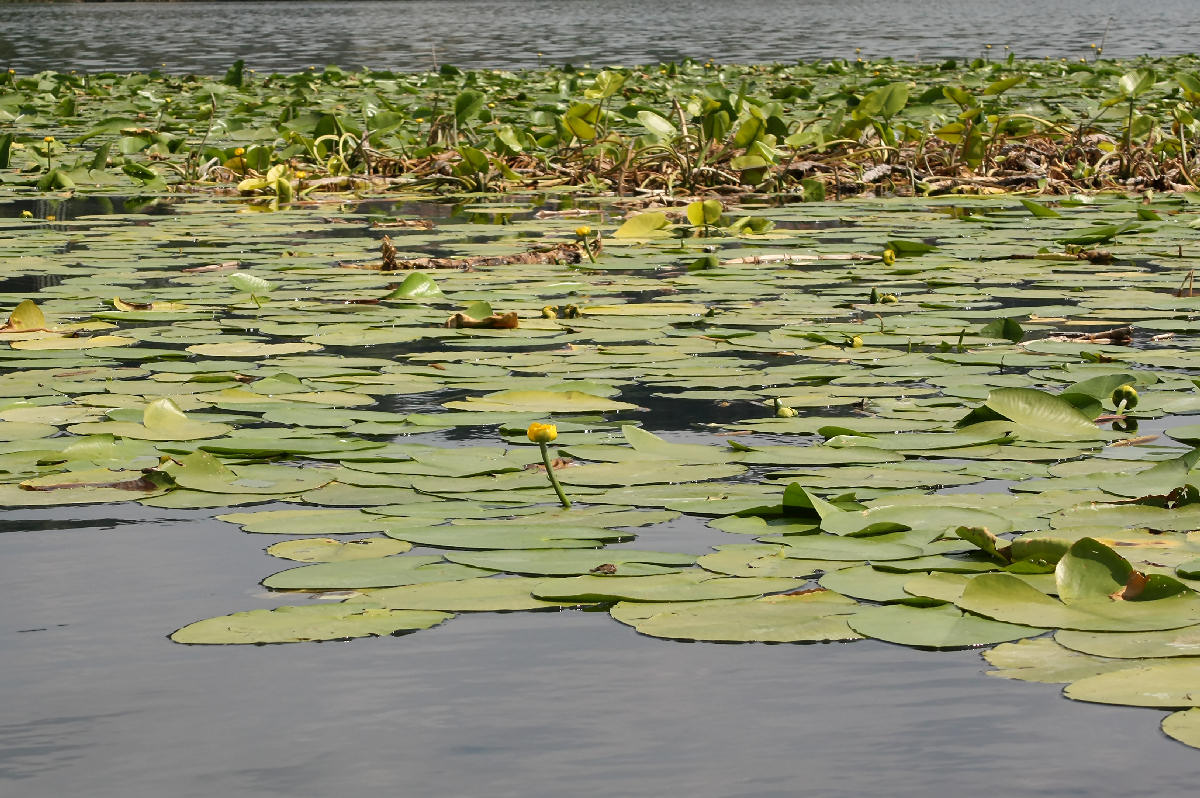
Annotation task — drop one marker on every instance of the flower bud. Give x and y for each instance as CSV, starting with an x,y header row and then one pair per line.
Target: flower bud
x,y
1125,396
542,433
889,257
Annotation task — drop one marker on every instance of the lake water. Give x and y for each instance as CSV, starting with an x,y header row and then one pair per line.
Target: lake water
x,y
97,702
414,34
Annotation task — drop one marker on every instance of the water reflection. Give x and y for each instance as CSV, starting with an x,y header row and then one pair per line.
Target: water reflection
x,y
419,34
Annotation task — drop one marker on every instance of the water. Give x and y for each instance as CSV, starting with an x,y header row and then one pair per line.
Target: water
x,y
529,705
416,34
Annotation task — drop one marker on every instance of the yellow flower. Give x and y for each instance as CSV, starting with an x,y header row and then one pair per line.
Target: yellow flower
x,y
26,214
889,257
856,342
48,139
542,433
238,151
583,231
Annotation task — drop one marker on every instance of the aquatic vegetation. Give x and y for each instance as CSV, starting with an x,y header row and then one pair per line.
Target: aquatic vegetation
x,y
811,130
914,420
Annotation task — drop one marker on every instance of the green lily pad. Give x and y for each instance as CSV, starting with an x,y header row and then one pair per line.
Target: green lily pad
x,y
305,623
161,421
1044,660
400,569
1183,726
572,562
1173,684
818,615
934,627
683,586
492,594
330,550
1004,597
1181,642
540,402
507,536
308,522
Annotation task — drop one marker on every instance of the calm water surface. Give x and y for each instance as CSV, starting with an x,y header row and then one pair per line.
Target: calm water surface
x,y
97,702
413,34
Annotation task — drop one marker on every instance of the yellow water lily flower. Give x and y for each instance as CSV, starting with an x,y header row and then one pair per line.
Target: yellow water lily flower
x,y
583,231
542,433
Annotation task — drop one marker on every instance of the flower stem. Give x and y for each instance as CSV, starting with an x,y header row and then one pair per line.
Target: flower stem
x,y
562,497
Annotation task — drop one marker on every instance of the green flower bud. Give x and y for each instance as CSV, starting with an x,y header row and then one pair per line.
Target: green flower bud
x,y
1125,397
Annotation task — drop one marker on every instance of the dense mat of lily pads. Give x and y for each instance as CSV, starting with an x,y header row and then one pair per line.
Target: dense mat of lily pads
x,y
937,423
833,128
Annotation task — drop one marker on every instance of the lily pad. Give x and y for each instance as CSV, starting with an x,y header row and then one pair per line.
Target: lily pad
x,y
305,623
401,569
934,627
1044,660
1183,726
330,550
683,586
493,594
1173,684
818,615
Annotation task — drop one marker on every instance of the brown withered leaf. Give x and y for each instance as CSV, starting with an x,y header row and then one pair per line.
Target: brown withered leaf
x,y
558,463
421,224
1118,336
387,251
215,267
1133,588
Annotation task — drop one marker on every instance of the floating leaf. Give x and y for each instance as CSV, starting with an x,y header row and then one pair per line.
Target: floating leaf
x,y
934,627
1183,726
401,569
1044,660
1174,684
683,586
816,615
305,623
329,550
494,594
